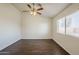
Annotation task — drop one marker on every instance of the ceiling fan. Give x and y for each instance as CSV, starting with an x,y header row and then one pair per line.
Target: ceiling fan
x,y
35,8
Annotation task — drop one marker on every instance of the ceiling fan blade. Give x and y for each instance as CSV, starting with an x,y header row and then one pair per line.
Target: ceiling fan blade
x,y
28,5
39,9
39,13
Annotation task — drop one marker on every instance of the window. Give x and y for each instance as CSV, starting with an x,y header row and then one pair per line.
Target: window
x,y
61,26
69,25
73,28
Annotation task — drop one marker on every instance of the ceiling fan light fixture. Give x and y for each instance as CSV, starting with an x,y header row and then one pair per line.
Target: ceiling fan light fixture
x,y
33,13
35,10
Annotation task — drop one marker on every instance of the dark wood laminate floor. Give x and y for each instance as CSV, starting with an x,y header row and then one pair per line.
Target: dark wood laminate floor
x,y
34,47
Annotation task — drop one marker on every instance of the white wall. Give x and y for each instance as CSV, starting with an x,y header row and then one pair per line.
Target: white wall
x,y
35,27
70,44
9,25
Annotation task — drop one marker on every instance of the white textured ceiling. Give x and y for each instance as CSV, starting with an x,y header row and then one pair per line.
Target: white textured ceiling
x,y
50,9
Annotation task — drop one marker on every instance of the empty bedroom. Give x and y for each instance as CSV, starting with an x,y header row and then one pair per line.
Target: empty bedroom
x,y
39,28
